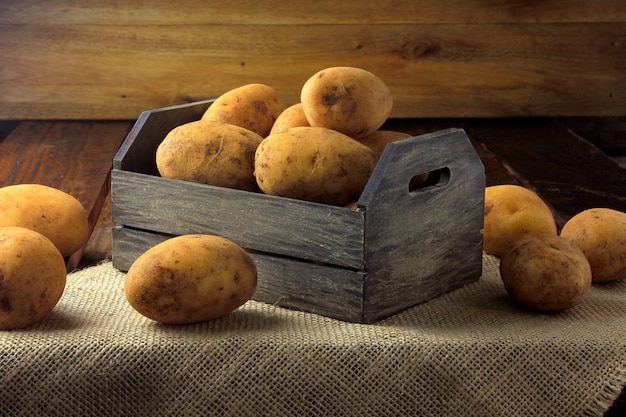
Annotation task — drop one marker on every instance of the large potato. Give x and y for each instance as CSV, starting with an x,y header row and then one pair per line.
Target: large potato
x,y
601,234
379,139
189,279
512,211
545,272
252,106
54,213
314,164
32,277
292,116
211,153
350,100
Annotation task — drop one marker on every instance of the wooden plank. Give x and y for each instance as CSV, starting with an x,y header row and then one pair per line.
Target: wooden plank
x,y
74,157
566,170
82,71
279,12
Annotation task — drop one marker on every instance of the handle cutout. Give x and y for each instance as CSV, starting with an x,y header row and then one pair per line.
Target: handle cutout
x,y
428,180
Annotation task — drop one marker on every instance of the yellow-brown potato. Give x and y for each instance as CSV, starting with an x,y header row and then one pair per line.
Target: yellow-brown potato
x,y
350,100
313,164
512,211
54,213
379,139
292,116
189,279
601,234
252,106
32,277
211,153
545,272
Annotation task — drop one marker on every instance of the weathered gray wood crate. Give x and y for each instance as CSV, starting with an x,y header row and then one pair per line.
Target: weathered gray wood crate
x,y
404,245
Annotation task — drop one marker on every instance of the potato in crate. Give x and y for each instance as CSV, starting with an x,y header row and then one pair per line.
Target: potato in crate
x,y
403,245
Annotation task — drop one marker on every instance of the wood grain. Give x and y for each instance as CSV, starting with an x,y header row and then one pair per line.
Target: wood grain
x,y
467,59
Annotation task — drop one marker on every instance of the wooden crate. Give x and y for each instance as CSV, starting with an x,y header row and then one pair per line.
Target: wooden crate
x,y
402,246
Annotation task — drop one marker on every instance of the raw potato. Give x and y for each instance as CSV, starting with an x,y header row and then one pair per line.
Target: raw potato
x,y
189,279
293,116
32,277
211,153
601,234
252,106
512,211
54,213
545,272
350,100
313,164
379,139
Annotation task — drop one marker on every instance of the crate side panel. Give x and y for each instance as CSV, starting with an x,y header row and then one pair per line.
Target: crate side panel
x,y
255,221
423,242
304,286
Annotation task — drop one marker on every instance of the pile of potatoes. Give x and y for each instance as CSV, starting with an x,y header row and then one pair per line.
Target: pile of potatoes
x,y
322,149
39,227
544,268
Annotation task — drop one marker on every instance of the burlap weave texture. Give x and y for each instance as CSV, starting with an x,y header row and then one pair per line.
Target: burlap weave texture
x,y
468,353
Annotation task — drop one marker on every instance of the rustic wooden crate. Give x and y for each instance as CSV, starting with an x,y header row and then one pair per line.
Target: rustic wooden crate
x,y
402,246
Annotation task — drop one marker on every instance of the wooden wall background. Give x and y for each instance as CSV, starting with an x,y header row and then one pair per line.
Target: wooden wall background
x,y
69,59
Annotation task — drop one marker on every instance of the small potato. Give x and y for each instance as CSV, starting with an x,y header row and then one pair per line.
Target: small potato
x,y
293,116
545,272
32,277
379,139
313,164
253,106
601,234
211,153
189,279
54,213
512,211
349,100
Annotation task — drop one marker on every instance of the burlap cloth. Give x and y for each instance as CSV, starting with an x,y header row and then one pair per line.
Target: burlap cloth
x,y
468,353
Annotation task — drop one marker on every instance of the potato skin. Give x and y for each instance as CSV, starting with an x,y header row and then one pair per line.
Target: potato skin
x,y
545,272
189,279
601,234
379,139
211,153
292,116
252,106
32,277
350,100
54,213
313,164
512,211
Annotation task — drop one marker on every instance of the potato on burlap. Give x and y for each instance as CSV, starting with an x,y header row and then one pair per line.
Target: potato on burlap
x,y
55,214
313,164
545,272
292,116
32,277
253,106
211,153
601,234
349,100
189,279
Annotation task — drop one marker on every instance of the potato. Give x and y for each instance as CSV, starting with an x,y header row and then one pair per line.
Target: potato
x,y
54,213
545,272
211,153
512,211
313,164
350,100
189,279
32,277
379,139
252,106
601,234
292,116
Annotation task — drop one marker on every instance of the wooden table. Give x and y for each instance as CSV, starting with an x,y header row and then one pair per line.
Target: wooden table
x,y
543,154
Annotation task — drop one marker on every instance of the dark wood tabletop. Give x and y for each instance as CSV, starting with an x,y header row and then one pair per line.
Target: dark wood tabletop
x,y
572,163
